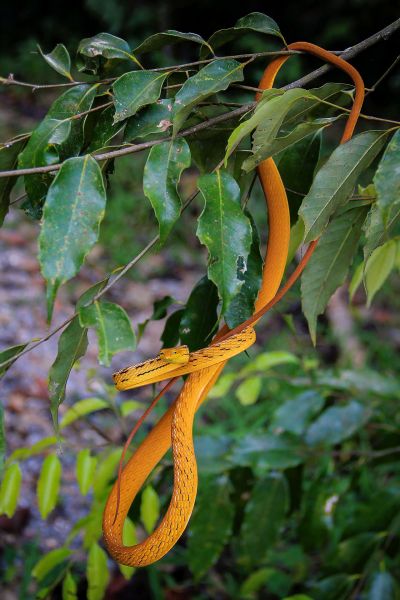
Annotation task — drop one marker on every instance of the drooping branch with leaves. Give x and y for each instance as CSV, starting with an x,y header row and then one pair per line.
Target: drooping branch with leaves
x,y
175,114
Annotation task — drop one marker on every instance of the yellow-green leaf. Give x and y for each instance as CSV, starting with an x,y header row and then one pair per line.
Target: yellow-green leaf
x,y
9,490
97,573
378,268
248,391
85,470
49,561
149,508
69,588
129,539
81,409
48,484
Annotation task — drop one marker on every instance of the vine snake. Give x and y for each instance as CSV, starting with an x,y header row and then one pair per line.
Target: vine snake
x,y
204,366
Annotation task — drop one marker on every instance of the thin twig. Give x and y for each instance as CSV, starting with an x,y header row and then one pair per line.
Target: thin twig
x,y
385,74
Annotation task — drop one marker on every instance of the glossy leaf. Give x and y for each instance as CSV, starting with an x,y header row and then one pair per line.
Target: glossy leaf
x,y
214,77
104,130
337,423
335,181
69,588
48,484
295,414
129,538
82,408
167,38
74,208
329,265
72,345
113,328
49,561
170,335
149,508
249,390
387,179
242,305
378,268
95,51
226,232
59,60
153,119
97,573
10,353
85,470
159,312
8,161
162,173
211,524
10,489
134,90
255,21
264,513
199,317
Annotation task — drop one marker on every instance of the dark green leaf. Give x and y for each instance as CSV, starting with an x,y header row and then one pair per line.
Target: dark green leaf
x,y
242,305
167,38
337,423
329,265
199,318
264,514
97,573
8,161
162,173
375,231
266,451
159,312
113,328
73,211
351,554
9,490
95,51
153,119
82,408
255,21
335,181
226,232
134,90
211,524
213,453
48,484
85,469
8,354
49,561
295,414
213,78
72,345
104,130
170,335
335,587
59,60
387,180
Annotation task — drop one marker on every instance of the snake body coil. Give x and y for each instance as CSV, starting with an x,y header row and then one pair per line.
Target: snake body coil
x,y
205,366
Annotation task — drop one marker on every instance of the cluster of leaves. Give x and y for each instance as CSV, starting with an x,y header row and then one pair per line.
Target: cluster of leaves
x,y
175,115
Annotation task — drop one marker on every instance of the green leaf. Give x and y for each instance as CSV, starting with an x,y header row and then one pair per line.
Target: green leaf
x,y
49,561
152,119
265,451
95,51
73,211
335,587
329,265
134,90
162,173
296,239
167,38
264,514
269,360
104,130
255,21
85,469
383,587
130,406
129,538
59,60
9,353
8,161
9,490
375,231
56,138
199,317
24,453
295,414
249,390
113,328
387,180
211,524
334,182
337,423
356,280
72,345
149,508
226,232
378,268
213,78
48,484
242,305
97,573
2,439
105,472
69,588
170,335
255,582
159,312
82,408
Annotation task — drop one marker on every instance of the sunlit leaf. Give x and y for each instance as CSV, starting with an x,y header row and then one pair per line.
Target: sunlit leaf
x,y
9,490
48,484
49,561
249,390
82,408
97,573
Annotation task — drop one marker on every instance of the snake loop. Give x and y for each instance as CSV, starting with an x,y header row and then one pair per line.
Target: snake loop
x,y
204,366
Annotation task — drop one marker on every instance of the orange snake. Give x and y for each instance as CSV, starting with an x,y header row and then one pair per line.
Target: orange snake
x,y
205,366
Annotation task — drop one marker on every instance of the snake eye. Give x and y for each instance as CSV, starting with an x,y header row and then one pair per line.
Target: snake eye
x,y
178,355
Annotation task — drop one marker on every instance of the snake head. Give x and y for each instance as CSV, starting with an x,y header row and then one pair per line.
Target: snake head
x,y
177,356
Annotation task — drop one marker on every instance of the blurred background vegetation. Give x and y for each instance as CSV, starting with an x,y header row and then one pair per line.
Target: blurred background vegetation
x,y
328,476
